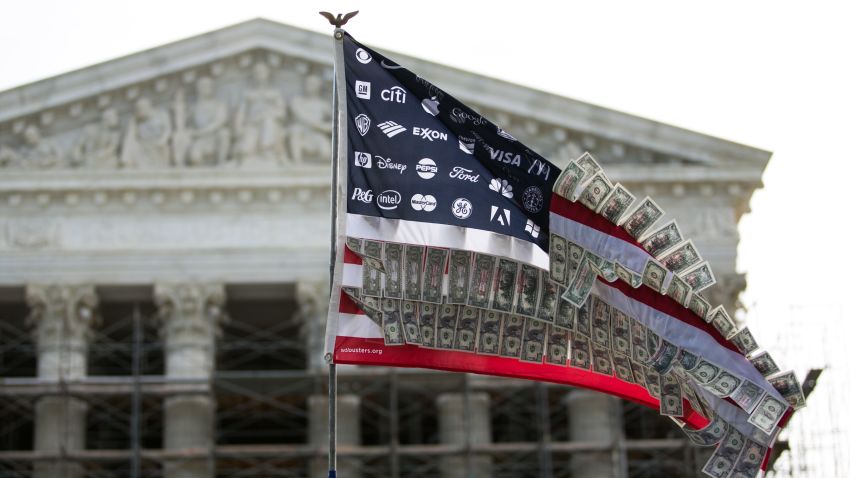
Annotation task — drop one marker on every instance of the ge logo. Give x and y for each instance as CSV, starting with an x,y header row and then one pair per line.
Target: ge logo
x,y
462,208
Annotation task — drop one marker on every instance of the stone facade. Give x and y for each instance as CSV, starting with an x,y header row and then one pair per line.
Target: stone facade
x,y
204,164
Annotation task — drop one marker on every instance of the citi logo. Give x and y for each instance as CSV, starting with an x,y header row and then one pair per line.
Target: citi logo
x,y
389,199
396,94
362,195
391,128
429,134
426,168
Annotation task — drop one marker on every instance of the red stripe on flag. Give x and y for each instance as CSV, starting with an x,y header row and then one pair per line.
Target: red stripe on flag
x,y
580,213
350,257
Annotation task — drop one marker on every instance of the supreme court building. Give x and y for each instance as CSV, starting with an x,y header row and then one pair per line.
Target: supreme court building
x,y
164,244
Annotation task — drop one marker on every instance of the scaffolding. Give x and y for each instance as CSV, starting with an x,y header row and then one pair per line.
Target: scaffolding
x,y
262,387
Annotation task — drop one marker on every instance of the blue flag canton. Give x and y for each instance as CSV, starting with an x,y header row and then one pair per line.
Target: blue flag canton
x,y
416,153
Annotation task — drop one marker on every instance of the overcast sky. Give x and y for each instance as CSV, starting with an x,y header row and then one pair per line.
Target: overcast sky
x,y
774,75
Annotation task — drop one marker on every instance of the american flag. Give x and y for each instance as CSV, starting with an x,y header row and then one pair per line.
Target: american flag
x,y
461,249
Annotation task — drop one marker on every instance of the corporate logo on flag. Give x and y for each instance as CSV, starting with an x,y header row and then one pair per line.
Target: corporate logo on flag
x,y
431,106
363,89
532,199
387,163
503,187
466,144
362,195
462,208
464,174
500,215
362,160
426,168
396,94
423,202
429,134
391,128
362,56
362,122
389,199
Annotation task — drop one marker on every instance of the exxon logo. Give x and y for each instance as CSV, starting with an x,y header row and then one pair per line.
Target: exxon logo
x,y
389,200
429,134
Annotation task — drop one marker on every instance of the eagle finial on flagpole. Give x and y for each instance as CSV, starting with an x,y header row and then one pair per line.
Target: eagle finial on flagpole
x,y
339,20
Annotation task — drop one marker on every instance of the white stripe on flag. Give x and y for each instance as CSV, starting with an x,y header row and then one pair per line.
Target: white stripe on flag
x,y
442,235
603,245
358,325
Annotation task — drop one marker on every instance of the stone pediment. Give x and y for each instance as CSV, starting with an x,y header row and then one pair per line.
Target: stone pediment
x,y
256,96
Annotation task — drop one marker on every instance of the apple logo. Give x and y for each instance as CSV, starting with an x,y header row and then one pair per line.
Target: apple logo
x,y
431,106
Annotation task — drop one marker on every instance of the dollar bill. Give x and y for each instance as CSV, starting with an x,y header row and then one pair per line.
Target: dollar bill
x,y
764,363
371,303
616,203
548,299
427,324
446,325
724,384
435,266
410,322
699,306
412,266
699,277
638,372
371,254
722,322
691,396
467,327
580,352
663,356
588,163
621,339
558,259
392,263
681,257
622,367
597,189
483,270
687,360
603,267
574,254
355,244
459,269
506,285
744,340
788,386
583,319
749,461
725,455
354,292
601,323
710,435
557,346
642,218
372,273
671,397
578,290
627,276
528,290
640,354
568,180
767,414
565,316
512,326
391,322
533,341
654,275
662,239
373,310
653,382
601,357
679,291
704,372
488,332
747,396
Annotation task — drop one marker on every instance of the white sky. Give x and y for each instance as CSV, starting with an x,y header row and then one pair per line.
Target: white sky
x,y
770,74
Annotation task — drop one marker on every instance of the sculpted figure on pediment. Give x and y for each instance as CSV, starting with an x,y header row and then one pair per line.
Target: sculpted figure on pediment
x,y
310,133
98,145
259,119
36,153
146,141
205,140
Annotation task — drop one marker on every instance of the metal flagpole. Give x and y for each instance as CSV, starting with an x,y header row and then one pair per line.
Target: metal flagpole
x,y
339,35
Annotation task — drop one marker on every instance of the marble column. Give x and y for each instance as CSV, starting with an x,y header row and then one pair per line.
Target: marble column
x,y
593,419
190,316
312,299
455,423
62,317
347,433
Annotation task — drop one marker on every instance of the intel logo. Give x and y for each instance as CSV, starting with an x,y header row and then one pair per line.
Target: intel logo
x,y
389,199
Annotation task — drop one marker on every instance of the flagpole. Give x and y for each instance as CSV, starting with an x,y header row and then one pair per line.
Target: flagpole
x,y
338,127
